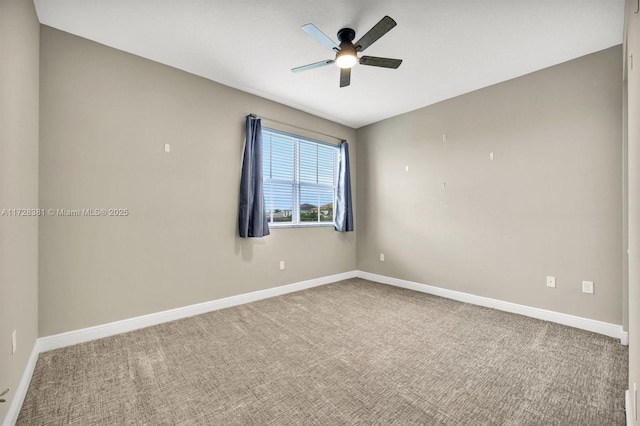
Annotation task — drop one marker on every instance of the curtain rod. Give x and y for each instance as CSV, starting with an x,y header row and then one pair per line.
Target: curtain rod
x,y
297,127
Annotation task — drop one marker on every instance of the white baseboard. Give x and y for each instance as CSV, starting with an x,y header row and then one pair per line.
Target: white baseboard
x,y
608,329
21,392
624,338
627,407
97,332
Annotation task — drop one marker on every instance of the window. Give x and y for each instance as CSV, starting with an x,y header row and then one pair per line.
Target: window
x,y
299,179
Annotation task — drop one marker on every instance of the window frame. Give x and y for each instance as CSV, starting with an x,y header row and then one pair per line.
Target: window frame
x,y
296,184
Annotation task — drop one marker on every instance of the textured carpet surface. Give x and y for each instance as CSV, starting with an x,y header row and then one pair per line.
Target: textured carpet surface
x,y
349,353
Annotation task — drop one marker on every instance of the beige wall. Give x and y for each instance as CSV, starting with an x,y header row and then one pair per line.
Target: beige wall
x,y
19,41
105,117
632,48
550,203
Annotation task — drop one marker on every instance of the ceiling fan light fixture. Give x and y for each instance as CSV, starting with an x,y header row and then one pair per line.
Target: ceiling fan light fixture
x,y
346,54
346,59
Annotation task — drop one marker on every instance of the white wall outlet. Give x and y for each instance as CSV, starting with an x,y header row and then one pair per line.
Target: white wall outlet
x,y
281,264
381,257
167,147
406,168
551,282
491,156
587,287
444,137
14,342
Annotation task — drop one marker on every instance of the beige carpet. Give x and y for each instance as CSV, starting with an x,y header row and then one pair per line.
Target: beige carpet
x,y
349,353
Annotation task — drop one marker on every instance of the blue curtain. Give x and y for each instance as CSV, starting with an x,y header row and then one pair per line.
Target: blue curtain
x,y
344,208
252,220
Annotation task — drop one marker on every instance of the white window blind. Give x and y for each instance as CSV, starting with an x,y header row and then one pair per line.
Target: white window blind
x,y
299,179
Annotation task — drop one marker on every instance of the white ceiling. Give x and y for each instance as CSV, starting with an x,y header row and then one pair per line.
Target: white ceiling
x,y
448,47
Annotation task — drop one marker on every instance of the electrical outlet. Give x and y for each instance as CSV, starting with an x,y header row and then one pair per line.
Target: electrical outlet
x,y
281,264
14,342
587,287
381,257
551,282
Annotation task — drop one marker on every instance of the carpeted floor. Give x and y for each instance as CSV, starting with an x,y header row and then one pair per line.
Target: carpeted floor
x,y
347,353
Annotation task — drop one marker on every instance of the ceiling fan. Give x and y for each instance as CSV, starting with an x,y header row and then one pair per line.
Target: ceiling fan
x,y
347,52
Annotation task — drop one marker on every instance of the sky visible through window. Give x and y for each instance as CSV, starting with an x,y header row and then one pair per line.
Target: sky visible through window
x,y
313,184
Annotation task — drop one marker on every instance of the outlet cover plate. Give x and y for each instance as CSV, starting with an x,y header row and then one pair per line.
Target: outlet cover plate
x,y
551,282
587,287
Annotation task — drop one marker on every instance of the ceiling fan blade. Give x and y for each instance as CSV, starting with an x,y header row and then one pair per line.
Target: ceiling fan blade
x,y
312,66
345,77
378,30
321,37
380,62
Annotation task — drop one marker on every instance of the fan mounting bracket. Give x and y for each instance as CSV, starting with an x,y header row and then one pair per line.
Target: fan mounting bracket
x,y
346,34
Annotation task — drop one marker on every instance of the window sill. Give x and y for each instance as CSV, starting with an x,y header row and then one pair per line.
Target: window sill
x,y
302,225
